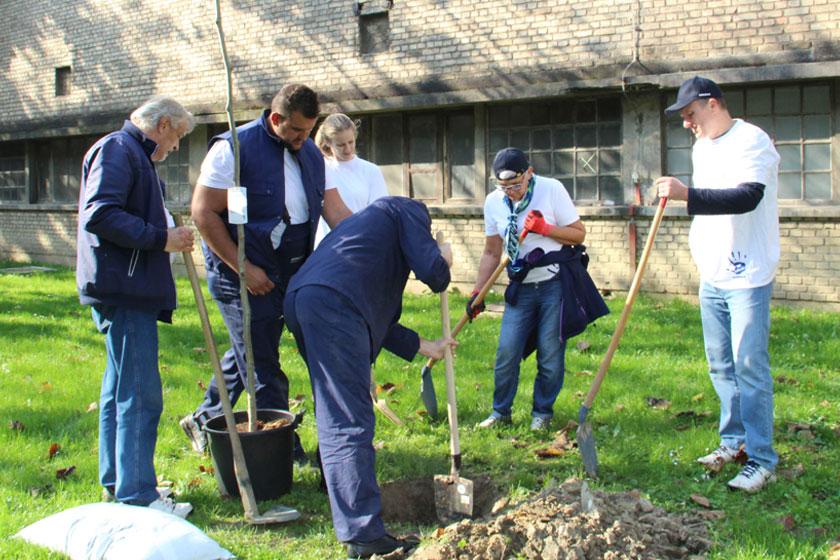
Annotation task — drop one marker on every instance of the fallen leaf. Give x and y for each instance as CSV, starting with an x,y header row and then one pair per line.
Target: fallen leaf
x,y
701,500
834,553
206,470
789,381
696,398
193,483
584,372
377,446
53,451
16,425
201,385
579,395
36,491
438,532
61,474
659,404
688,412
793,427
199,349
682,427
92,406
583,346
711,515
164,368
825,404
619,407
45,386
518,444
787,522
386,387
548,452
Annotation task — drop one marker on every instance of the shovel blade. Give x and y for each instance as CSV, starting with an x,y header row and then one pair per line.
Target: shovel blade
x,y
586,443
427,392
275,514
453,497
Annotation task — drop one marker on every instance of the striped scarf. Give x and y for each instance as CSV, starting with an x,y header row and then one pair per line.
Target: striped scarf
x,y
512,231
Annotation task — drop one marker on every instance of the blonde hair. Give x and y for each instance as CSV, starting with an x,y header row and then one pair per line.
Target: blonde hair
x,y
332,125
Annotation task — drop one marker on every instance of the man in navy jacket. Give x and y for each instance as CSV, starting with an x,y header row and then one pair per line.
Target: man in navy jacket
x,y
283,172
123,272
343,307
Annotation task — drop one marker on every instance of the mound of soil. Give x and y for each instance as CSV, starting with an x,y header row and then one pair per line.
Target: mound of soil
x,y
572,522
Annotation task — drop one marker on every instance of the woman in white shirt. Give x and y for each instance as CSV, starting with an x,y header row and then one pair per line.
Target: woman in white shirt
x,y
359,181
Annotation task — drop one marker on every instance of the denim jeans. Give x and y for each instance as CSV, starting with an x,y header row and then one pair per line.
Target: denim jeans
x,y
736,332
130,403
537,309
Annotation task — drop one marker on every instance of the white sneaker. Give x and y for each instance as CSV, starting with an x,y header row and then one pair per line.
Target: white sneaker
x,y
719,457
168,505
751,478
494,421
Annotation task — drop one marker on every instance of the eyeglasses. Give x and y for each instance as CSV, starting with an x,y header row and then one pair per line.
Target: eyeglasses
x,y
514,187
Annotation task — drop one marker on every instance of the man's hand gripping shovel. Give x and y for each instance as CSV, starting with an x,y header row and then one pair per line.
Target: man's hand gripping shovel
x,y
427,386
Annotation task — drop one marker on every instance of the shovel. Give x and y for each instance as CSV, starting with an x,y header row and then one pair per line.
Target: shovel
x,y
381,405
275,514
427,386
453,494
584,436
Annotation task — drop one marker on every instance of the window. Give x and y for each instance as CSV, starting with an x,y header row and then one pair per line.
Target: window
x,y
798,119
374,33
62,81
576,141
429,156
175,173
13,172
56,168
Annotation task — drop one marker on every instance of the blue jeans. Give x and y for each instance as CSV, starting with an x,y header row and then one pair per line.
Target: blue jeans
x,y
537,310
130,403
736,332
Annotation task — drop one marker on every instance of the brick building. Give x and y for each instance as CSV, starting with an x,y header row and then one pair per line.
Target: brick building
x,y
439,86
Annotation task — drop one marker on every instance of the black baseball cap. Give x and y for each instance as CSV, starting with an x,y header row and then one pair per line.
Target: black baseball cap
x,y
509,164
693,89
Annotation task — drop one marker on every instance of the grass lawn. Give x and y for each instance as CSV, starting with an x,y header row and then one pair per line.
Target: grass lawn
x,y
51,360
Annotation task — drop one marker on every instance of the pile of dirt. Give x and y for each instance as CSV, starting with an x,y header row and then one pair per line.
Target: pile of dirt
x,y
572,522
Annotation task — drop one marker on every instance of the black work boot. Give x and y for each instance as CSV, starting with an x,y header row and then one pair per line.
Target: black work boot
x,y
385,544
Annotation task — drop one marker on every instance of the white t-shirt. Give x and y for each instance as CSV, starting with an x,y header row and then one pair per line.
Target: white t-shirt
x,y
359,182
217,173
737,250
550,198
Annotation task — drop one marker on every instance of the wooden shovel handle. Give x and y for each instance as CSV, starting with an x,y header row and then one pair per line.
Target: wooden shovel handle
x,y
628,305
481,294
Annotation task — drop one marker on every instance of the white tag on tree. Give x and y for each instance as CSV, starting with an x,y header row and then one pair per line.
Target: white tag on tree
x,y
237,203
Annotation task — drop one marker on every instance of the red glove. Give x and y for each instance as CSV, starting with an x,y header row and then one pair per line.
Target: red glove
x,y
474,311
535,222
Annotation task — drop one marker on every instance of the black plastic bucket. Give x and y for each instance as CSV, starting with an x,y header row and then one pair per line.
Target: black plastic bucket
x,y
269,454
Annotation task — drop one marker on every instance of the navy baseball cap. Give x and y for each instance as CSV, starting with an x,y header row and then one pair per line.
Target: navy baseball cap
x,y
692,89
509,164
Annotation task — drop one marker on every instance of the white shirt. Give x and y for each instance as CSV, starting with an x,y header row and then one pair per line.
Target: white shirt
x,y
737,250
550,198
217,173
359,182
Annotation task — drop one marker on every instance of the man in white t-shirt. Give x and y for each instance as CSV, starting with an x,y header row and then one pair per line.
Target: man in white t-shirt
x,y
283,172
541,205
734,240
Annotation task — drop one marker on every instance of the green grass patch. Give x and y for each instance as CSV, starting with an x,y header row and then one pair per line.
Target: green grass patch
x,y
52,358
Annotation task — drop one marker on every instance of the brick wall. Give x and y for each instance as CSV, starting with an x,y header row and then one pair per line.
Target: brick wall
x,y
122,51
808,272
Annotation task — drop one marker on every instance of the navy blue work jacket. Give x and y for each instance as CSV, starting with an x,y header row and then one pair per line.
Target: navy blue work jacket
x,y
262,173
122,229
368,258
